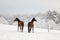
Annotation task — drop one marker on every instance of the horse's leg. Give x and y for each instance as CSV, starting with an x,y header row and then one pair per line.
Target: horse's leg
x,y
29,29
33,29
22,28
18,28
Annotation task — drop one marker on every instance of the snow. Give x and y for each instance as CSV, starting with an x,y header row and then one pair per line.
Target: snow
x,y
9,32
3,20
41,23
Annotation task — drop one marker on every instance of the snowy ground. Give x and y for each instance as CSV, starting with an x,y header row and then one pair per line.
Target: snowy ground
x,y
9,32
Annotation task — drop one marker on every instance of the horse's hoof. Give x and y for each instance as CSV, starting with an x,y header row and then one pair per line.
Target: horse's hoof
x,y
21,31
17,30
28,32
32,31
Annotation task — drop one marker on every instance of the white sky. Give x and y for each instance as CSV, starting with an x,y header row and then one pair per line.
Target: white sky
x,y
28,6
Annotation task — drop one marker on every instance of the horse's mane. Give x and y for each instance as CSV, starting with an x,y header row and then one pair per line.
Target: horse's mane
x,y
18,19
33,19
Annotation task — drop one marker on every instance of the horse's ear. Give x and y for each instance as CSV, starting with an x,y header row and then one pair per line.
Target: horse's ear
x,y
33,18
16,18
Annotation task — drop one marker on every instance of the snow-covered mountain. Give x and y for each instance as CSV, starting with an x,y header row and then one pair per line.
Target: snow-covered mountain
x,y
3,20
50,18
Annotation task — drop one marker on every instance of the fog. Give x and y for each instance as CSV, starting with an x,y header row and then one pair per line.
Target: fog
x,y
28,6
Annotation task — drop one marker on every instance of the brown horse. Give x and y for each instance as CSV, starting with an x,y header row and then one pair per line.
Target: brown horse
x,y
31,25
20,24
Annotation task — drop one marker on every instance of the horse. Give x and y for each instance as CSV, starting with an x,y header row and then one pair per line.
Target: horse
x,y
20,24
31,25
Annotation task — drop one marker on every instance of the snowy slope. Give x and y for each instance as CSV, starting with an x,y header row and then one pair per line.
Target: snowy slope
x,y
9,32
3,21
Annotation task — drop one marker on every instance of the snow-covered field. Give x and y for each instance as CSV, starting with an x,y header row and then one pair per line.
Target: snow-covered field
x,y
9,32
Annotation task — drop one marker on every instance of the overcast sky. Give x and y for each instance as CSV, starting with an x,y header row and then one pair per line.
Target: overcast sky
x,y
28,6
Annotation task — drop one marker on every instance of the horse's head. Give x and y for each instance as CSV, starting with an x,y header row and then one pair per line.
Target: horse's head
x,y
34,19
16,19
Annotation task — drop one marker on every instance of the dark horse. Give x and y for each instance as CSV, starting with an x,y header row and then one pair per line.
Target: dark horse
x,y
31,25
20,24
